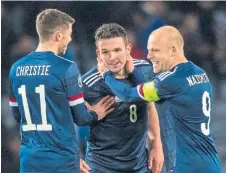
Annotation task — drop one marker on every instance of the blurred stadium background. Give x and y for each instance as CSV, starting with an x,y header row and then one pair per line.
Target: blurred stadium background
x,y
202,24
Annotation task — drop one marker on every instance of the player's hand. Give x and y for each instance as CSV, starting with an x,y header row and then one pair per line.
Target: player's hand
x,y
102,108
101,66
129,64
156,158
84,168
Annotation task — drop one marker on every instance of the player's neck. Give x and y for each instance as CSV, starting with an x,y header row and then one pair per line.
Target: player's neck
x,y
47,46
120,75
180,60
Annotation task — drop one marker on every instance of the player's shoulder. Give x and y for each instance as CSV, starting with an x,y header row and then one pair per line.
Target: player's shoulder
x,y
178,72
165,76
196,68
19,62
176,78
65,67
140,63
63,61
91,77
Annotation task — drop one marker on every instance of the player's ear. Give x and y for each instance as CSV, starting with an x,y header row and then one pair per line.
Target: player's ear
x,y
98,53
173,51
58,35
129,48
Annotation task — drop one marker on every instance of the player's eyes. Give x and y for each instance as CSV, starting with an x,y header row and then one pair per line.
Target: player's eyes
x,y
153,51
104,53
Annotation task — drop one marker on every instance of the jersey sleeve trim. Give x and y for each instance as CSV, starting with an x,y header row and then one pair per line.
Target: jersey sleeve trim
x,y
76,99
13,102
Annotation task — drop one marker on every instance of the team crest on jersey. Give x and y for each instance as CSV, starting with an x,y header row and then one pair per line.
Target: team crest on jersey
x,y
80,81
117,99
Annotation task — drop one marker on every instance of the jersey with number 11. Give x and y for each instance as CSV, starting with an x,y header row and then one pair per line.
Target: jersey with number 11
x,y
43,87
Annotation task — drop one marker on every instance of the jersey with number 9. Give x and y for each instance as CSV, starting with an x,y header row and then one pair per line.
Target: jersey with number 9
x,y
185,110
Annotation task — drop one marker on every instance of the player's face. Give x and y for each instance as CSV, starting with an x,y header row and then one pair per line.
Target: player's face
x,y
113,53
65,40
158,54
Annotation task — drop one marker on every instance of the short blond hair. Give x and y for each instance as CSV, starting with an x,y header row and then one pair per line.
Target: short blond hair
x,y
49,20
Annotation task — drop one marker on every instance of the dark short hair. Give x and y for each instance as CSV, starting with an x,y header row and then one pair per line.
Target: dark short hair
x,y
49,20
110,30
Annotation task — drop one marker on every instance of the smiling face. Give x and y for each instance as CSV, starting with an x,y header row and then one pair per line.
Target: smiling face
x,y
159,52
113,53
165,49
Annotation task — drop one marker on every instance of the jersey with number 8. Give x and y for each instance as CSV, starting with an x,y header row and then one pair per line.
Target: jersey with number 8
x,y
117,143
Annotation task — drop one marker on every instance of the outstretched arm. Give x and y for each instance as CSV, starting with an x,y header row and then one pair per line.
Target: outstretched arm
x,y
123,91
126,93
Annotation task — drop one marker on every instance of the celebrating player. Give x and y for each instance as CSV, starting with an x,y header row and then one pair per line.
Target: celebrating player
x,y
183,96
46,99
117,142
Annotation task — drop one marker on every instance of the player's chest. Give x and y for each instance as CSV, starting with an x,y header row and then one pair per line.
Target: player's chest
x,y
126,112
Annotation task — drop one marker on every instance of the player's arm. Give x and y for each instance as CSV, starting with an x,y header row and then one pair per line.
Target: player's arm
x,y
74,94
12,99
142,73
146,91
153,125
14,105
138,76
156,157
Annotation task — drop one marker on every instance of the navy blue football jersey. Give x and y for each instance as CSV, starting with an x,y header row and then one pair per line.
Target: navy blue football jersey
x,y
184,105
46,99
117,143
185,111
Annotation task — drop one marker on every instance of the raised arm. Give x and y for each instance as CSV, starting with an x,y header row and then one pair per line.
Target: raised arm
x,y
126,93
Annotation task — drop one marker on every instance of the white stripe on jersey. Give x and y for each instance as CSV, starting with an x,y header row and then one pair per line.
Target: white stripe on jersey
x,y
140,63
166,74
94,74
163,74
64,59
76,102
13,103
99,78
92,79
